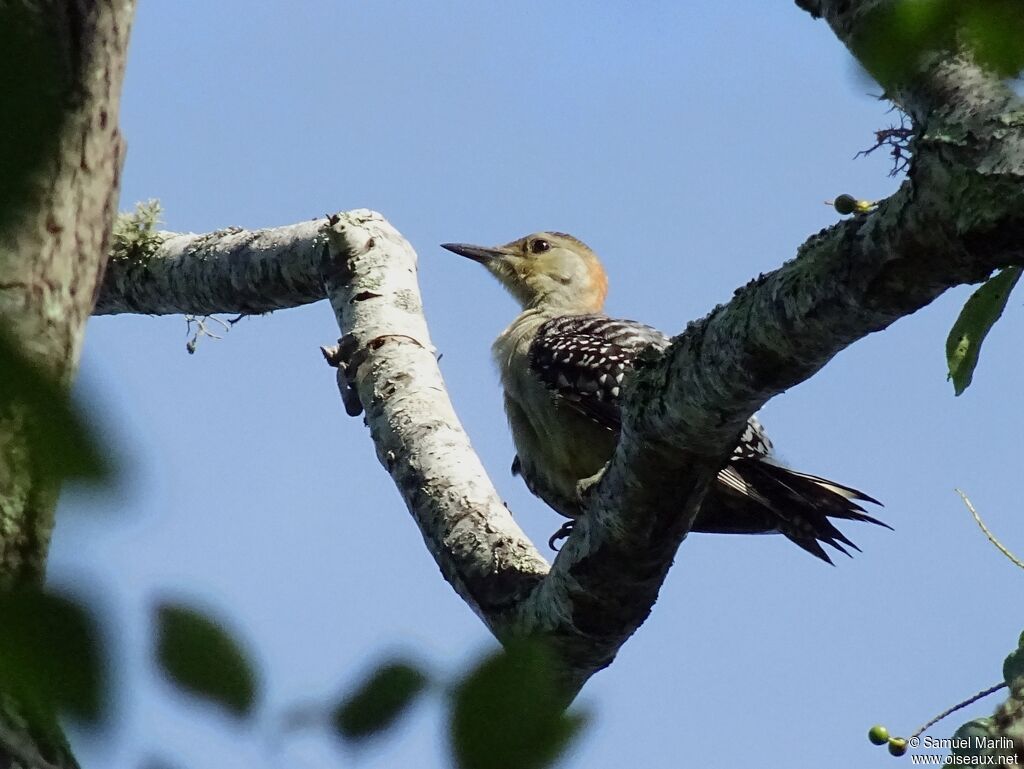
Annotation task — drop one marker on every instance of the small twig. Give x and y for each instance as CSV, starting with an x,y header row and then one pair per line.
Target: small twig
x,y
224,324
203,329
898,139
991,537
955,708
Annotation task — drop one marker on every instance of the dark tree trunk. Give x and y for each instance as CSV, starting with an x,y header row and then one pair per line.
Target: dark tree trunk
x,y
53,249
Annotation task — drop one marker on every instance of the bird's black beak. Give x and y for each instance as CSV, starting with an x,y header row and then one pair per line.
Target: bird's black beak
x,y
476,253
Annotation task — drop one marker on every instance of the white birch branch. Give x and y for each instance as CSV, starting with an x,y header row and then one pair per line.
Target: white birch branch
x,y
232,271
386,356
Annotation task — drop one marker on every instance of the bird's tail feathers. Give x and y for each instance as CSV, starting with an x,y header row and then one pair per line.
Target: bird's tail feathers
x,y
802,505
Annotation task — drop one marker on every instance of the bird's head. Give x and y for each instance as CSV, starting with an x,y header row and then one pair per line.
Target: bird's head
x,y
550,270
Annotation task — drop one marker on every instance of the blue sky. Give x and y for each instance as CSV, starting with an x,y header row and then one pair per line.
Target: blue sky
x,y
691,145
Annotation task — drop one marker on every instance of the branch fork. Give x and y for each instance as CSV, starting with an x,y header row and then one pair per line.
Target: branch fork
x,y
958,217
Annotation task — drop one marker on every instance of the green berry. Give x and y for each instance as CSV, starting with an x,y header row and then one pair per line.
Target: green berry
x,y
878,734
845,204
897,746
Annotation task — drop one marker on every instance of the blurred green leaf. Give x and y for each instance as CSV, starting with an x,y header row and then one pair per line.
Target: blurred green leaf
x,y
33,95
508,712
977,317
50,655
995,29
60,444
378,701
1013,666
966,744
896,35
202,658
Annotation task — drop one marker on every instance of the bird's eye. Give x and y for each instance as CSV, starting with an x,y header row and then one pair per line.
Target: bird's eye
x,y
539,246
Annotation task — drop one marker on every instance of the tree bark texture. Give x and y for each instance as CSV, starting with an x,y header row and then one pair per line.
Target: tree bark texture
x,y
53,248
53,251
231,270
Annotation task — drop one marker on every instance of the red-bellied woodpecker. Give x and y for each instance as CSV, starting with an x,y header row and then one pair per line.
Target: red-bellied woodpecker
x,y
563,364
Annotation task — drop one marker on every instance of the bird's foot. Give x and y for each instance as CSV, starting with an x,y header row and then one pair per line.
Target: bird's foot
x,y
562,533
585,486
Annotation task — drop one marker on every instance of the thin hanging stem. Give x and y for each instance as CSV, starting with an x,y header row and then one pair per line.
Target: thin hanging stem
x,y
991,537
955,708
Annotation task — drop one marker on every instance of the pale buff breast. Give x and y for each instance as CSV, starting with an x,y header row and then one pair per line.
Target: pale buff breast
x,y
557,446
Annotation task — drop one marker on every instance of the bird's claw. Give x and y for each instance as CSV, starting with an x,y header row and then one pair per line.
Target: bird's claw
x,y
562,533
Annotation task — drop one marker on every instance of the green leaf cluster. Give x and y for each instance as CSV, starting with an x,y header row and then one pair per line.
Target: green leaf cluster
x,y
1013,665
507,712
1013,671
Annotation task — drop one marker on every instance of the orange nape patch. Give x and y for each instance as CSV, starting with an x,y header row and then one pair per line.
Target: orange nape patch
x,y
598,282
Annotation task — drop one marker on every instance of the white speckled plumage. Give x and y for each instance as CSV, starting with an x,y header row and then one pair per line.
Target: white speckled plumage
x,y
563,365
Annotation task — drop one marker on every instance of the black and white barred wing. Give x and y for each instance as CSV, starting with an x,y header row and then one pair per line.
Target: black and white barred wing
x,y
586,358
